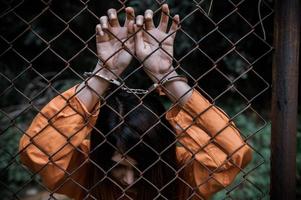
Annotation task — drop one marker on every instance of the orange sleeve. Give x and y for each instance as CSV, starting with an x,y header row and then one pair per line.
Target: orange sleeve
x,y
54,145
213,143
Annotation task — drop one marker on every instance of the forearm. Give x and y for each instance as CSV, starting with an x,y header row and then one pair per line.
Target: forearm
x,y
57,125
177,91
88,93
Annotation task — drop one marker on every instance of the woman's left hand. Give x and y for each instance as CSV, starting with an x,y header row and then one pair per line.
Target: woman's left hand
x,y
154,46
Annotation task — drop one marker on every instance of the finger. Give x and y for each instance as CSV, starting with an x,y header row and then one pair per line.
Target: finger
x,y
149,23
164,18
100,35
138,39
130,15
113,17
139,21
139,36
174,26
105,26
104,23
130,27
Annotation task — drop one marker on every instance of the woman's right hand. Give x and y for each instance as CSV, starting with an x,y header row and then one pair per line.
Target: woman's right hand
x,y
110,36
114,55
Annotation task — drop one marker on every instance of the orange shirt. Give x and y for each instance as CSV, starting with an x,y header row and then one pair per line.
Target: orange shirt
x,y
56,146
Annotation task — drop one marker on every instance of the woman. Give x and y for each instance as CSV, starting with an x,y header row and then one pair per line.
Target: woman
x,y
90,145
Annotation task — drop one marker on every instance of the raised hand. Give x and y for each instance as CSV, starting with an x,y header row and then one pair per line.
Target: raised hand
x,y
154,45
114,42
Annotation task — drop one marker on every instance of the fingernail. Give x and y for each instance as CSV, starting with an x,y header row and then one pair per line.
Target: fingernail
x,y
139,21
148,15
129,9
112,15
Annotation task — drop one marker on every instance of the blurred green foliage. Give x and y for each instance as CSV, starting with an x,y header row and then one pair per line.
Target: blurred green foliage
x,y
12,174
256,182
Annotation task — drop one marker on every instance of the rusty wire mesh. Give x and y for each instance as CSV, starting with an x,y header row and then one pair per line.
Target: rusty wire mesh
x,y
22,100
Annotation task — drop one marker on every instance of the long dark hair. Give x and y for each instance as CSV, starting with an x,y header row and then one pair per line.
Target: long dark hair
x,y
137,128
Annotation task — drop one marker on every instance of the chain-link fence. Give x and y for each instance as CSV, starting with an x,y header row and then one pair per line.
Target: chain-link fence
x,y
222,47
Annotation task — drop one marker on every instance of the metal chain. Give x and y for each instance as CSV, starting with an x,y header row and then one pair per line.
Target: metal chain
x,y
134,90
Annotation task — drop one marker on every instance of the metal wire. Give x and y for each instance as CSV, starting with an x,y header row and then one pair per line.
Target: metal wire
x,y
15,115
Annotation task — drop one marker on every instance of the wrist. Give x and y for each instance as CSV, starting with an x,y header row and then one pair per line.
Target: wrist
x,y
113,71
157,77
101,70
176,90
